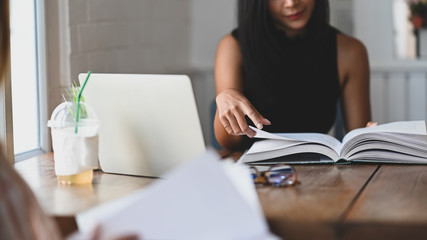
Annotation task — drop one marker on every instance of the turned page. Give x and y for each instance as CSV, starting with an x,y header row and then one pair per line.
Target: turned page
x,y
293,139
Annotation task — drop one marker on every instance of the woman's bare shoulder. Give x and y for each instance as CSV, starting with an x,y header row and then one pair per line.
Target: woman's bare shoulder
x,y
228,53
349,47
352,56
228,42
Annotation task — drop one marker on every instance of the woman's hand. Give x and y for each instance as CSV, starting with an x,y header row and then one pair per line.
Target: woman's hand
x,y
232,109
371,124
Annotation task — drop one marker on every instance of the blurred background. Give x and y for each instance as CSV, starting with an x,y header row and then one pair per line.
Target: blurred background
x,y
55,40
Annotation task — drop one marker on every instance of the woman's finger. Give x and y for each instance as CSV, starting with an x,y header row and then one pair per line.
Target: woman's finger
x,y
229,123
371,124
243,126
233,107
234,125
258,120
226,124
224,121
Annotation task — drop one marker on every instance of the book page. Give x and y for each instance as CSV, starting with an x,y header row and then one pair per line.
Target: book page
x,y
387,157
292,139
304,152
271,145
408,127
267,135
378,146
320,138
368,141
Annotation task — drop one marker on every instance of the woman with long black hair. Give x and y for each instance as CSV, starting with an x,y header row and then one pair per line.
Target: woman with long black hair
x,y
285,68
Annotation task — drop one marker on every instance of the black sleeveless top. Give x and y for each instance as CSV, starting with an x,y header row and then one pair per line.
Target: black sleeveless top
x,y
306,89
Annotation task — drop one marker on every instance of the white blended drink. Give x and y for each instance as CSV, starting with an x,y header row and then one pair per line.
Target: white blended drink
x,y
75,146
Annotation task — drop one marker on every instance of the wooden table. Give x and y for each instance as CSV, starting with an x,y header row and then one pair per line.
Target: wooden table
x,y
357,201
63,202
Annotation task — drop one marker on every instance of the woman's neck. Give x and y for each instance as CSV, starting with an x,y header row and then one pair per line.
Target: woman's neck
x,y
292,33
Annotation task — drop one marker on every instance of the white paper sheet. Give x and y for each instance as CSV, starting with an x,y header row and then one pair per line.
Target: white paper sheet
x,y
264,134
204,199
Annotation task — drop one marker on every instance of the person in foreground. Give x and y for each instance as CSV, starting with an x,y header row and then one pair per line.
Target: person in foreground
x,y
285,68
20,215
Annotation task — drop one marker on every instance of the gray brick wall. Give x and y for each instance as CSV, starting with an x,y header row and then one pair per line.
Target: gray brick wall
x,y
132,36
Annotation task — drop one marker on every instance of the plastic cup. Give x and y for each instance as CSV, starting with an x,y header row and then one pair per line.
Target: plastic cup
x,y
75,153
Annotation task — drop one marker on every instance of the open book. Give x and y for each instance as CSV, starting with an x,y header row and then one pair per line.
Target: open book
x,y
396,142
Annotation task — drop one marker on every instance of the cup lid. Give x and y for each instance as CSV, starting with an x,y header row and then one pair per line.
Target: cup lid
x,y
64,115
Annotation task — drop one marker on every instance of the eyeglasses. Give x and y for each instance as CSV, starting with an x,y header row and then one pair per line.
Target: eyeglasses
x,y
280,175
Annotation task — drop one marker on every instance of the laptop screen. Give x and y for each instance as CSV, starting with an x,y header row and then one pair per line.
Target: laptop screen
x,y
149,123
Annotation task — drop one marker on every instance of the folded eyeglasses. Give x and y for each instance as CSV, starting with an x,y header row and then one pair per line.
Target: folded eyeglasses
x,y
280,175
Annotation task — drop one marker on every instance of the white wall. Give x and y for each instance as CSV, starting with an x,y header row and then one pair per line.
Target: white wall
x,y
127,35
342,15
373,25
211,20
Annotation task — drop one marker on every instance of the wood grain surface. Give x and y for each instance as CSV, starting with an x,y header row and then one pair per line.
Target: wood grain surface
x,y
395,200
63,201
67,200
314,208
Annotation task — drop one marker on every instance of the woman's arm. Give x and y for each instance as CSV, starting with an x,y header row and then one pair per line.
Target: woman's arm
x,y
353,68
232,105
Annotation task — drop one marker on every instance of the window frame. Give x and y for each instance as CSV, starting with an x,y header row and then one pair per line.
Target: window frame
x,y
40,38
45,143
6,121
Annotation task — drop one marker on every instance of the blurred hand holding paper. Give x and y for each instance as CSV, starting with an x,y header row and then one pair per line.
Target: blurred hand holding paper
x,y
204,199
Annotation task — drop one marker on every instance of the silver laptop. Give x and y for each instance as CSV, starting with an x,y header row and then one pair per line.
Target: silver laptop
x,y
149,124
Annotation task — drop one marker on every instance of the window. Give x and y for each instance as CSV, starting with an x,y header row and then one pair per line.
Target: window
x,y
25,78
404,38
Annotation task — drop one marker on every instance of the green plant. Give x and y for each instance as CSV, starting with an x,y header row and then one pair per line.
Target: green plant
x,y
73,97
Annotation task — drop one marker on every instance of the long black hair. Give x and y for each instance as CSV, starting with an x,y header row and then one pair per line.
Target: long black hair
x,y
257,39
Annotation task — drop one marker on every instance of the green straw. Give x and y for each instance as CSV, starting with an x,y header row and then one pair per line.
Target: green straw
x,y
78,103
